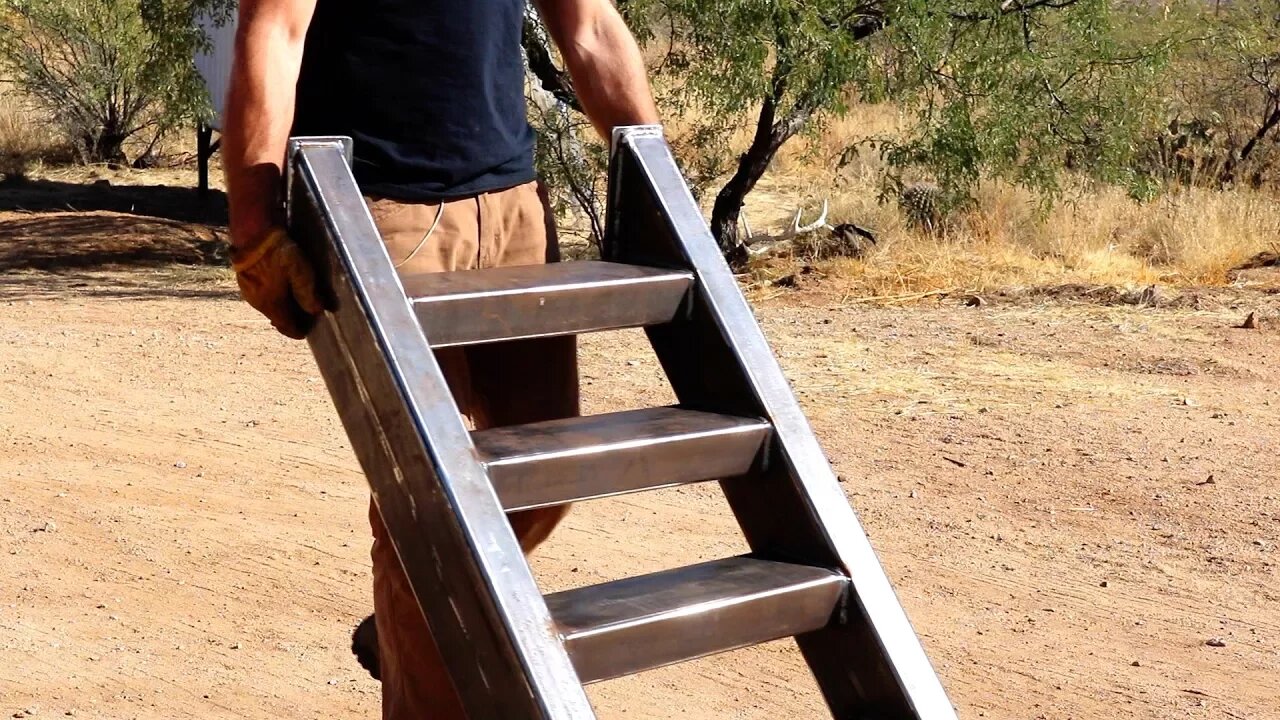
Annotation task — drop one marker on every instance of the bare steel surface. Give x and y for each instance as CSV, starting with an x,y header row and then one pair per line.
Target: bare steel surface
x,y
640,623
477,306
718,360
431,490
560,461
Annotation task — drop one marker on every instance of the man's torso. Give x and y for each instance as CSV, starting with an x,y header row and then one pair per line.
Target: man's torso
x,y
431,91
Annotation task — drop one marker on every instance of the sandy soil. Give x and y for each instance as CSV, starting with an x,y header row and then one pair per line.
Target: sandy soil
x,y
1071,498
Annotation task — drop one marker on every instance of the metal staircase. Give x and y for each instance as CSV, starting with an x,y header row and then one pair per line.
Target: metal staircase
x,y
443,491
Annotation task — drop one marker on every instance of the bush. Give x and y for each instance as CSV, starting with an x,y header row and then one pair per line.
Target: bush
x,y
107,72
1224,100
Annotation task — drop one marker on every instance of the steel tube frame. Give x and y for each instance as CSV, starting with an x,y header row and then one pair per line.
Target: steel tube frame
x,y
434,494
489,618
717,358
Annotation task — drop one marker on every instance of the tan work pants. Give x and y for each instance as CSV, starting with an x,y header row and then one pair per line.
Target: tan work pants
x,y
494,385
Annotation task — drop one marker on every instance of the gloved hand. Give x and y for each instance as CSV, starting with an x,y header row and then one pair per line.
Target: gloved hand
x,y
277,280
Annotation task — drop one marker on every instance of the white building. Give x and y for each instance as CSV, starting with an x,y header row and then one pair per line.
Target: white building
x,y
214,67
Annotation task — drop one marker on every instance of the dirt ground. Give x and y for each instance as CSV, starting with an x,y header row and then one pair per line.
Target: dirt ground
x,y
1072,498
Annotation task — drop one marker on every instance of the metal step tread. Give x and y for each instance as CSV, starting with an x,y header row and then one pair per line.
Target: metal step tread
x,y
559,461
626,626
493,304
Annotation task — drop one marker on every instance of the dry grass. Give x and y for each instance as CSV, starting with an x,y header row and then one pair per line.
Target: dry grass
x,y
1097,235
1186,238
26,142
30,145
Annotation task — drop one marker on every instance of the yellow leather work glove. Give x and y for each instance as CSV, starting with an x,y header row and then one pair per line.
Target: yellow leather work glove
x,y
278,281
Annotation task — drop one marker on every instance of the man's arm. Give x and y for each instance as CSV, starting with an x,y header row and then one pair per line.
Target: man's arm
x,y
604,61
273,275
259,111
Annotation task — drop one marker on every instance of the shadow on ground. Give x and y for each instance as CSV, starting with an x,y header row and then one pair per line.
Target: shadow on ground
x,y
55,226
104,240
166,202
174,282
123,241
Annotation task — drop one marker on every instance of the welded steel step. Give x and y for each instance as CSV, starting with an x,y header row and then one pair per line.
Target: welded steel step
x,y
479,306
550,463
511,652
635,624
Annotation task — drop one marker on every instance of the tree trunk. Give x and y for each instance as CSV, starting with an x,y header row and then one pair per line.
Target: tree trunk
x,y
106,146
111,150
771,134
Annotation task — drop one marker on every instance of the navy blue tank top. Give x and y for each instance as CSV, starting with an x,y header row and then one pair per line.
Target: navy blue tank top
x,y
431,91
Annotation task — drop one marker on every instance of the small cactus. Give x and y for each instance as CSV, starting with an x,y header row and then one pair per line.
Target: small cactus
x,y
922,204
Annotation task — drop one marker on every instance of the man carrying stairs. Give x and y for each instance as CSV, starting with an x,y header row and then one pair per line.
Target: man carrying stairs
x,y
432,92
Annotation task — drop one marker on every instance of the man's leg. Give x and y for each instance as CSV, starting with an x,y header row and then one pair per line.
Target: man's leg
x,y
525,381
415,683
491,387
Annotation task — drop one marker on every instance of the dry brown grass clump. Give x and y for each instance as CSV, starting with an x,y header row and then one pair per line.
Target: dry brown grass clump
x,y
1186,238
26,142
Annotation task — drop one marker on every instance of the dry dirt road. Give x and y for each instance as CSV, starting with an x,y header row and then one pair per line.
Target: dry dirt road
x,y
1071,499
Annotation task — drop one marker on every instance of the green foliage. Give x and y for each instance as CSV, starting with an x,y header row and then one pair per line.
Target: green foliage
x,y
722,58
723,51
107,72
785,62
1022,90
1018,89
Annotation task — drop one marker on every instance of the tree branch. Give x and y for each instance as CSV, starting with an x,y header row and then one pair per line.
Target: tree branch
x,y
1269,122
537,50
1008,7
